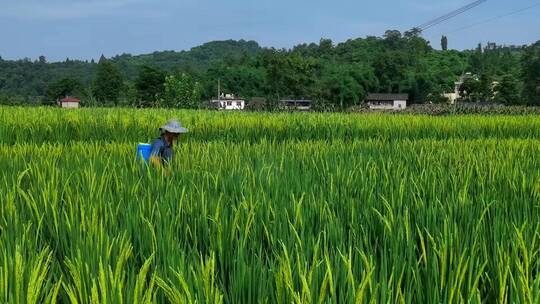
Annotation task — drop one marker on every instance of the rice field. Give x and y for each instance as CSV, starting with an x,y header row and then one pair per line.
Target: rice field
x,y
269,208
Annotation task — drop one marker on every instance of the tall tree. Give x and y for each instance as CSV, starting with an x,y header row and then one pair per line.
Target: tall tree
x,y
470,90
507,90
485,87
476,60
531,74
325,47
274,63
393,38
341,86
149,85
391,69
444,43
420,87
181,91
64,87
108,82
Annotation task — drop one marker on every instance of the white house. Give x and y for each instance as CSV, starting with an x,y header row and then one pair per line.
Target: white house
x,y
229,102
69,103
454,96
394,102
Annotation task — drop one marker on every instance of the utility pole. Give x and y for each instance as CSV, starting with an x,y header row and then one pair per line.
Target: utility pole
x,y
219,89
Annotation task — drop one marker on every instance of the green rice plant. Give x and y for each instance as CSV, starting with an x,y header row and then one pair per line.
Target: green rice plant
x,y
25,278
269,208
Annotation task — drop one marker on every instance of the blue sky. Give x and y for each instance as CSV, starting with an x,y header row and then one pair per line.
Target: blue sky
x,y
85,29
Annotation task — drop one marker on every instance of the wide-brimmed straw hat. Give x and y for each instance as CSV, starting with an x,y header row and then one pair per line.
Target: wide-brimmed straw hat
x,y
174,126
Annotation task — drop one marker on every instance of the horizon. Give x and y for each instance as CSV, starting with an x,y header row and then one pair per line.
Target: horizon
x,y
83,30
335,43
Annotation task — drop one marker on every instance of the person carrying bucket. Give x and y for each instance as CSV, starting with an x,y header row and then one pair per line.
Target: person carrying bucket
x,y
162,147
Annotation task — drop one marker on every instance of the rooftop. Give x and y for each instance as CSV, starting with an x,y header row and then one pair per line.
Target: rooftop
x,y
386,97
70,99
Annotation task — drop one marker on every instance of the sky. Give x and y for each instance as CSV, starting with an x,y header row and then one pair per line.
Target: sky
x,y
85,29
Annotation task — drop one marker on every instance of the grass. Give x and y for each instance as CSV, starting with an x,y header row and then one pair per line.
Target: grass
x,y
269,208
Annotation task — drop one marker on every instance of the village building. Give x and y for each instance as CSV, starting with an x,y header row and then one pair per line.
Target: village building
x,y
297,104
229,102
454,96
69,102
394,102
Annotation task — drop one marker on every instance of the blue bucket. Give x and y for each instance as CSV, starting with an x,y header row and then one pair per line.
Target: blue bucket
x,y
143,152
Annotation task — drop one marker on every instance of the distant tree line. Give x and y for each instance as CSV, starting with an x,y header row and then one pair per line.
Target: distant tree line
x,y
334,76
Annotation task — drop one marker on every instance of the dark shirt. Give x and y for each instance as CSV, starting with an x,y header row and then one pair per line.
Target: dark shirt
x,y
163,150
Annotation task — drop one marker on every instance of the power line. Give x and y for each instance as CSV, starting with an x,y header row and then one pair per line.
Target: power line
x,y
495,18
450,15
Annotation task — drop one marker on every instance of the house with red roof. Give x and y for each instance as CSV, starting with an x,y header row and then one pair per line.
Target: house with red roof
x,y
69,102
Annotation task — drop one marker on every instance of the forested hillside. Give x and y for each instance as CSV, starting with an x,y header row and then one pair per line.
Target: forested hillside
x,y
334,75
28,77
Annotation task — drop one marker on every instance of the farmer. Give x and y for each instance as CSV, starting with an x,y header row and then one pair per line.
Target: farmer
x,y
162,147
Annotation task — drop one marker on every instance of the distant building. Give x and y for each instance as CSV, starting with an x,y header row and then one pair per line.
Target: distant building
x,y
454,96
387,101
297,104
491,46
229,102
69,102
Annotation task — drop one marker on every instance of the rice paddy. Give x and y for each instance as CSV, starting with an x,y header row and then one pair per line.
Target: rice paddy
x,y
269,208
